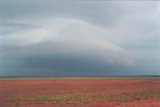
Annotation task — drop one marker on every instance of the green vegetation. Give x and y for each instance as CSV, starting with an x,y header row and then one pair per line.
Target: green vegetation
x,y
15,99
139,95
58,99
125,97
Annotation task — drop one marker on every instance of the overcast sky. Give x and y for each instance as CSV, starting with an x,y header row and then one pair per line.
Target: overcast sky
x,y
79,37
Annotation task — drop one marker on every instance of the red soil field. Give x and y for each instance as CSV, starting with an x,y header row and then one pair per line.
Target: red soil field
x,y
80,92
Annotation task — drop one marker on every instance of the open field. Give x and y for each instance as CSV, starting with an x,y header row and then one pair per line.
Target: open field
x,y
80,92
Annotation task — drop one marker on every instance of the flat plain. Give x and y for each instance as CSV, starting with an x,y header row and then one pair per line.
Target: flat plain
x,y
80,92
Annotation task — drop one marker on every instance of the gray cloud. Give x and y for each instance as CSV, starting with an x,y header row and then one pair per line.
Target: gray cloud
x,y
79,37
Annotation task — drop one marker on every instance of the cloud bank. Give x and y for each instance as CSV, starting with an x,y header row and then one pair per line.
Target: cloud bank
x,y
43,38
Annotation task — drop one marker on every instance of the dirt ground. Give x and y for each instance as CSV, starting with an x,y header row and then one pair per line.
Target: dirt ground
x,y
80,92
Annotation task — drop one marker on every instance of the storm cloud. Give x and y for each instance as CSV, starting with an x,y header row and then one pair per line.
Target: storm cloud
x,y
44,38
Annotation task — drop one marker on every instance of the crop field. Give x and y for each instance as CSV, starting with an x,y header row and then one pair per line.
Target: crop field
x,y
80,92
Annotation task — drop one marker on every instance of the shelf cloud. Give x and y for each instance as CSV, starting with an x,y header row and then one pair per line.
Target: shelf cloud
x,y
44,38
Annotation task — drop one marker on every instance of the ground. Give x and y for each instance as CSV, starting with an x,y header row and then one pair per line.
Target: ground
x,y
80,92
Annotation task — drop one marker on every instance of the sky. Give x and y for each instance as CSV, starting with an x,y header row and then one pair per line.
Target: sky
x,y
79,37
